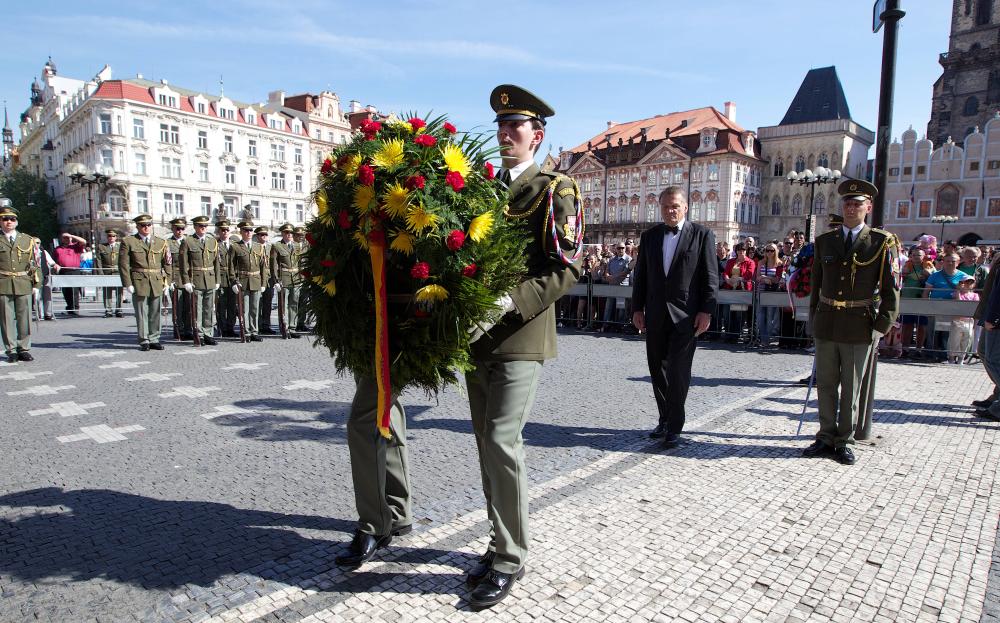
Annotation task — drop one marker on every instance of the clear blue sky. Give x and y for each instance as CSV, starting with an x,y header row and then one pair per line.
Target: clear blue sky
x,y
592,61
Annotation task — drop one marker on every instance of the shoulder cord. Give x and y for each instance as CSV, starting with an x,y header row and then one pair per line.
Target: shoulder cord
x,y
879,255
517,216
550,222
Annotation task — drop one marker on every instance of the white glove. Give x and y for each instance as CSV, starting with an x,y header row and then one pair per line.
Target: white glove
x,y
189,287
277,287
236,288
171,287
35,292
876,335
131,289
217,287
504,305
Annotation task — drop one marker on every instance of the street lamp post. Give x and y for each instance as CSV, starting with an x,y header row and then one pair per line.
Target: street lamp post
x,y
82,175
944,220
809,178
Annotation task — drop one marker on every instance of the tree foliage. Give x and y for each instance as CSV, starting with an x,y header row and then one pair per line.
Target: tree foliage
x,y
36,210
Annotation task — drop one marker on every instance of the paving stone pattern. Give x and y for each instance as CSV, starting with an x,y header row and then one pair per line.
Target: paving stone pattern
x,y
230,504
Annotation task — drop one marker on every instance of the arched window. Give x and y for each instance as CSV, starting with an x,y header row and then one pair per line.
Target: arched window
x,y
696,209
779,168
651,211
116,203
711,206
621,214
820,206
776,207
823,161
984,12
800,164
797,206
971,107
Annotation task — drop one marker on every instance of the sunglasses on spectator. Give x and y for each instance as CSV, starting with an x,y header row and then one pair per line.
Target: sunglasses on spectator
x,y
8,218
769,251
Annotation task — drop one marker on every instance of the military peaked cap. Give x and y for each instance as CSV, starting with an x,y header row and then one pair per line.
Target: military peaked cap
x,y
7,211
299,230
513,103
287,227
200,220
246,225
143,219
857,189
179,222
223,223
261,230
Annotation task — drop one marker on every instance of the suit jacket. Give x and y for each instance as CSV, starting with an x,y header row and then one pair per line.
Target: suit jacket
x,y
145,267
866,272
530,333
199,261
692,284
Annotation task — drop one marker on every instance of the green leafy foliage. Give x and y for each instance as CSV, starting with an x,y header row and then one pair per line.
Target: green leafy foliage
x,y
36,209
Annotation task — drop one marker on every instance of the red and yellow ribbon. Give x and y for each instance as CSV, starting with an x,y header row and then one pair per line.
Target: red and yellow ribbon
x,y
376,249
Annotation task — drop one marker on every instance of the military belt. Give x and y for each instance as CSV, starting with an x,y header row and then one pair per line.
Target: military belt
x,y
247,273
22,273
834,303
289,270
203,269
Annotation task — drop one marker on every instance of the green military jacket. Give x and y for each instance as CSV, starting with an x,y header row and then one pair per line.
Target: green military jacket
x,y
199,261
146,267
529,334
225,276
19,271
248,265
175,269
865,273
107,258
285,263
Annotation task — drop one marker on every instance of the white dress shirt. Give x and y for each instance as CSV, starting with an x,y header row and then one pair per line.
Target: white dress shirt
x,y
854,232
519,169
670,246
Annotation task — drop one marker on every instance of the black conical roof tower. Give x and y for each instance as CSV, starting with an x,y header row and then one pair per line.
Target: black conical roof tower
x,y
820,98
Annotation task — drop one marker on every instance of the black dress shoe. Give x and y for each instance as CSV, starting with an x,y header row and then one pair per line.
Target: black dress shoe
x,y
402,530
987,414
25,356
107,314
208,341
293,336
817,448
267,332
256,338
658,432
982,404
118,315
493,588
844,456
362,549
483,567
143,347
671,440
156,346
805,381
11,357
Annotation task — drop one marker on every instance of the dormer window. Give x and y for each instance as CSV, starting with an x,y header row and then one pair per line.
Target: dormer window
x,y
251,117
297,128
167,100
202,108
706,140
275,124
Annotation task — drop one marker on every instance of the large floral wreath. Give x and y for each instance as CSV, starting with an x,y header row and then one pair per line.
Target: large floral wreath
x,y
409,250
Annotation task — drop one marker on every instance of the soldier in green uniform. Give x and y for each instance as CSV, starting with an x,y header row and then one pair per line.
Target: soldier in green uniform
x,y
107,264
509,356
301,247
285,275
145,264
248,267
853,301
267,292
178,295
20,273
199,263
225,303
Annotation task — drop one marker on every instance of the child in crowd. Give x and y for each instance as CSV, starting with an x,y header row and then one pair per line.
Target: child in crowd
x,y
960,336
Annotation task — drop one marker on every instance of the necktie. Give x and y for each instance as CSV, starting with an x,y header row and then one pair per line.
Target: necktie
x,y
673,229
504,177
849,240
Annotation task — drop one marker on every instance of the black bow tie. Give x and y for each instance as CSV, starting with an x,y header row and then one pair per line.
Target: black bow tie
x,y
674,229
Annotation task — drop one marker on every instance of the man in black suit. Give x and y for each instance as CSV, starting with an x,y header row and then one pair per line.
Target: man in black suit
x,y
673,295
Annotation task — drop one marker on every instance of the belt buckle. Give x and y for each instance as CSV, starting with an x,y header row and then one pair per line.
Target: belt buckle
x,y
839,304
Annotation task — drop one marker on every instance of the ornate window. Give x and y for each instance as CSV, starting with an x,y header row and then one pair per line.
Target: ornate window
x,y
713,172
651,211
800,164
971,107
823,161
797,206
902,210
820,206
779,168
776,207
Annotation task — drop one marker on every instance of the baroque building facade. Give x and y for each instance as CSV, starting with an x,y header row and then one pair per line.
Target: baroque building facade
x,y
968,91
816,131
622,170
176,152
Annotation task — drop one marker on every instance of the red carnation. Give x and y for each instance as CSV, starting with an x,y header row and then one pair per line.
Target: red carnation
x,y
455,240
455,180
366,175
490,174
417,123
414,182
420,270
343,160
327,167
344,219
310,239
327,263
470,270
450,128
370,128
426,140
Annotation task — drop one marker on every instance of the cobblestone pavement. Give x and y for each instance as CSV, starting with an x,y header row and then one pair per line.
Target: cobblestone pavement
x,y
175,486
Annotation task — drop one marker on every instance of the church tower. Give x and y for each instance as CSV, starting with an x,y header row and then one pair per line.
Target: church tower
x,y
8,140
968,92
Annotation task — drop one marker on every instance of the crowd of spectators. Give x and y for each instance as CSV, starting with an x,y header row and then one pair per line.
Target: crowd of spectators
x,y
927,270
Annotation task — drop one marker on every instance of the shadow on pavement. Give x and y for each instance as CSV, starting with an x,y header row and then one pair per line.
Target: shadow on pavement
x,y
142,541
697,381
543,435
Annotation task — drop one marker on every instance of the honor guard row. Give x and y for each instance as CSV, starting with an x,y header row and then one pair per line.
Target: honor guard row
x,y
213,280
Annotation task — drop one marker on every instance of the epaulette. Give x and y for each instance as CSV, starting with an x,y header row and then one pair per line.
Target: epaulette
x,y
887,234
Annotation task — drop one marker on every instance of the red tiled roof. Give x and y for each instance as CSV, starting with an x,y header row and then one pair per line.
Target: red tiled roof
x,y
119,89
657,126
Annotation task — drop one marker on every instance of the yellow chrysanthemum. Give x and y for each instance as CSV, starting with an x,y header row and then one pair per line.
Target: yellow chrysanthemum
x,y
431,294
397,199
403,242
330,287
351,165
455,160
321,205
361,240
418,219
389,155
363,196
480,226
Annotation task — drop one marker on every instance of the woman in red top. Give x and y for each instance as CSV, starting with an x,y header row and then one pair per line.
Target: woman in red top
x,y
738,275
